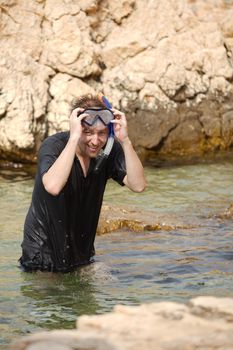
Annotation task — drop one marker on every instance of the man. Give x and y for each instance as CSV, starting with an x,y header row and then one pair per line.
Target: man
x,y
61,223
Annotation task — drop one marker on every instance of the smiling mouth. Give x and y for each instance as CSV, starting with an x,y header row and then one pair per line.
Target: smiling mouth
x,y
93,149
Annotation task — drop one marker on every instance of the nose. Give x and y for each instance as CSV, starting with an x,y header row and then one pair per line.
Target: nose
x,y
95,139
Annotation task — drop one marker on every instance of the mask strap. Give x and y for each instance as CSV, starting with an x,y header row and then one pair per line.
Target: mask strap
x,y
104,155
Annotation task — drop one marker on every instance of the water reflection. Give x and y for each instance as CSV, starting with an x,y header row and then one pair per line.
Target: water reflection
x,y
57,299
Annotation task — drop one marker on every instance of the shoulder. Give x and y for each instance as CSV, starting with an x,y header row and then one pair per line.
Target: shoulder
x,y
116,145
57,140
61,137
116,168
117,153
54,144
116,149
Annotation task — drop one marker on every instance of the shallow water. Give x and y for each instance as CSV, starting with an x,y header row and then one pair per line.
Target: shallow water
x,y
130,268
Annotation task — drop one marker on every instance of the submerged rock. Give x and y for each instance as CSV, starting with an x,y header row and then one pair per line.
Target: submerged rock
x,y
226,214
202,323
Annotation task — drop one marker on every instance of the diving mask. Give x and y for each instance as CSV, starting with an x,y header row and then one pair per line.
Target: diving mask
x,y
96,114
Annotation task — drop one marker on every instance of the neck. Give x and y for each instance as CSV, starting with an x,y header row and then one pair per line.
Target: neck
x,y
84,161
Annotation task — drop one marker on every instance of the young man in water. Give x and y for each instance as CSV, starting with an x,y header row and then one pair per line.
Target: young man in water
x,y
61,223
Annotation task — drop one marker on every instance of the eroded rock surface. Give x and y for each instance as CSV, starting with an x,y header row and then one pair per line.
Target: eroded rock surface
x,y
167,64
202,323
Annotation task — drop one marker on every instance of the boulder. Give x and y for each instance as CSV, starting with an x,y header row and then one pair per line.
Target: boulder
x,y
201,323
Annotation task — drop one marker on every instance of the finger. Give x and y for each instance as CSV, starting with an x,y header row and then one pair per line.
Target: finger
x,y
77,111
117,121
118,114
82,116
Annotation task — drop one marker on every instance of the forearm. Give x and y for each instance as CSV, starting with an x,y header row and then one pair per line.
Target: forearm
x,y
56,177
135,178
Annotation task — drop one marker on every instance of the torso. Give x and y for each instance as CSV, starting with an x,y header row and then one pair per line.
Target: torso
x,y
60,230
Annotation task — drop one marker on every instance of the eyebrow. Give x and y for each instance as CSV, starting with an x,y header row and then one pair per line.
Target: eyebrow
x,y
91,129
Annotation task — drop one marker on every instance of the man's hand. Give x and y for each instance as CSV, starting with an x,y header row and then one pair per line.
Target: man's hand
x,y
75,123
120,125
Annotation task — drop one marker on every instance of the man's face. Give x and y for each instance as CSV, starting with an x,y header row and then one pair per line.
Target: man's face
x,y
93,139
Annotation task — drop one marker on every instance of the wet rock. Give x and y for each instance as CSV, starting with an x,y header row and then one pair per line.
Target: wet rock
x,y
227,214
202,323
115,218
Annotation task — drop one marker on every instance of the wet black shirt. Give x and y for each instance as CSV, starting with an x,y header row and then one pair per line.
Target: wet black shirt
x,y
59,231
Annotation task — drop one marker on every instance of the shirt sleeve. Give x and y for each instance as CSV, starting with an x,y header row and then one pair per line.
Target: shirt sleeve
x,y
49,151
116,166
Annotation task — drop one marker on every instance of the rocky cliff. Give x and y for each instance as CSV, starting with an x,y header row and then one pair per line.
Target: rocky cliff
x,y
168,64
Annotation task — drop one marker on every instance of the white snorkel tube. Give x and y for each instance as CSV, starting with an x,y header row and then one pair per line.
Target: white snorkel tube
x,y
104,155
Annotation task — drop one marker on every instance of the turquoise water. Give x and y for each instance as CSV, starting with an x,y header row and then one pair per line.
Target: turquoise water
x,y
130,268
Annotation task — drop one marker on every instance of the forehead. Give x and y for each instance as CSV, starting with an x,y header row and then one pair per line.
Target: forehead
x,y
97,127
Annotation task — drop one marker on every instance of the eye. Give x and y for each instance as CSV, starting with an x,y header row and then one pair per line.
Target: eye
x,y
87,132
103,133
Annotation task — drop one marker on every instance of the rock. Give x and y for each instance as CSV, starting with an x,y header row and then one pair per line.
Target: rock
x,y
64,33
227,214
202,323
168,65
23,101
174,67
63,89
115,218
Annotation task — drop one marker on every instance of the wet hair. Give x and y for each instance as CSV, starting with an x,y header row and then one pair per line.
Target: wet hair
x,y
86,101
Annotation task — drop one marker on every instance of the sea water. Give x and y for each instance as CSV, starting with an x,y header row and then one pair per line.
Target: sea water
x,y
131,267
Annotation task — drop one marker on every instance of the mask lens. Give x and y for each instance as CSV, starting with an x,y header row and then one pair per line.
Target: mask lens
x,y
94,115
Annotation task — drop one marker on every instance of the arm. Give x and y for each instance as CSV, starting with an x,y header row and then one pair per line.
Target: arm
x,y
56,177
135,178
